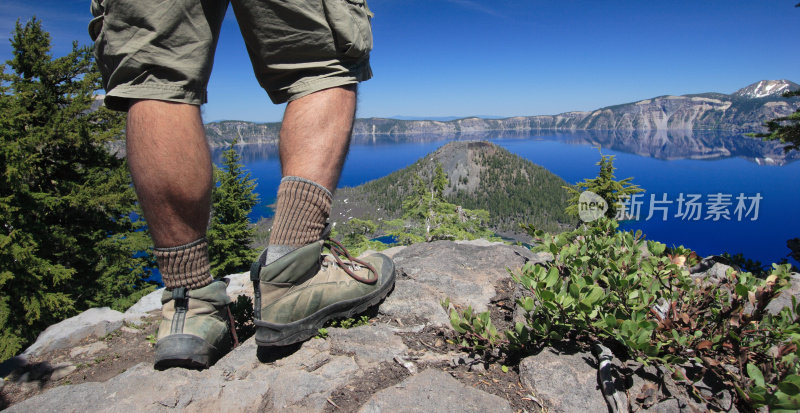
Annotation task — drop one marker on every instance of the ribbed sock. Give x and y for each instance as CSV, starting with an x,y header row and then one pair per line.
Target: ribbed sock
x,y
185,265
303,207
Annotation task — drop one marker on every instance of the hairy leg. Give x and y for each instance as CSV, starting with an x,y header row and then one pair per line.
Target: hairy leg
x,y
315,135
170,163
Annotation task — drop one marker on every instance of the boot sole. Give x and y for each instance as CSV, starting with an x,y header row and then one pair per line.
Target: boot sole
x,y
184,350
276,335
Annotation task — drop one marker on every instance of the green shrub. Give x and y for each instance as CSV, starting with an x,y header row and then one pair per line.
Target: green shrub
x,y
609,286
242,311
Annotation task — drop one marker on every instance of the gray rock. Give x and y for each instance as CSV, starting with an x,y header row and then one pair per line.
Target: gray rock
x,y
716,274
465,273
301,381
121,393
62,370
480,242
415,301
303,391
239,284
389,252
143,389
784,299
541,257
240,362
564,382
433,391
95,322
665,406
130,330
88,349
371,344
148,303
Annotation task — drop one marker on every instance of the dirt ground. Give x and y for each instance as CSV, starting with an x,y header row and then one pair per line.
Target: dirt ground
x,y
92,360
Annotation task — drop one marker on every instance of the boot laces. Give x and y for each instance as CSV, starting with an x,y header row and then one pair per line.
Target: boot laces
x,y
337,250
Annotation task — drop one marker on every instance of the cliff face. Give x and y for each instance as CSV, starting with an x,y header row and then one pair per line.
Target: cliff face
x,y
220,133
742,111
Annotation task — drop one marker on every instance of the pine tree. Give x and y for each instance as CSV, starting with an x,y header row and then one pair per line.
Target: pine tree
x,y
355,234
785,129
613,191
69,239
427,216
230,232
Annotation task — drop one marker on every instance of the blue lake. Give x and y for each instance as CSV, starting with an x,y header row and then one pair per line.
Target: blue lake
x,y
666,165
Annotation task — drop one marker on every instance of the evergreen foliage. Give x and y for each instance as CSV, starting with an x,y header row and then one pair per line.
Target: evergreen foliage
x,y
613,191
785,129
230,232
514,191
69,234
427,216
355,234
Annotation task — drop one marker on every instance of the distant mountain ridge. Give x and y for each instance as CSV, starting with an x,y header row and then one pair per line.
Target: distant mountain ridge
x,y
742,111
766,88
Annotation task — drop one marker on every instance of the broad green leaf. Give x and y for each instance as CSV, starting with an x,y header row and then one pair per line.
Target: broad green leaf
x,y
656,248
455,321
785,403
485,318
754,373
790,385
547,295
552,277
595,295
527,303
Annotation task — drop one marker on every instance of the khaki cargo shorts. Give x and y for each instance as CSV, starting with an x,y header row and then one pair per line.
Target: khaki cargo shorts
x,y
164,49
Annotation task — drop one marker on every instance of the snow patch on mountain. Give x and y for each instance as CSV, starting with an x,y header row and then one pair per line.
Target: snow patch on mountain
x,y
767,88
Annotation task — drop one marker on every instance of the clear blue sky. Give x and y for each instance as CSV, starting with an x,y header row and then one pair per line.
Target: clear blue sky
x,y
511,57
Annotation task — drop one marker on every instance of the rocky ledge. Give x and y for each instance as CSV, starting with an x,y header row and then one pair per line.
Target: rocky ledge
x,y
401,361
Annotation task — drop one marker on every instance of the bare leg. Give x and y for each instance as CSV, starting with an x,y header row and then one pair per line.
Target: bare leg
x,y
170,163
315,135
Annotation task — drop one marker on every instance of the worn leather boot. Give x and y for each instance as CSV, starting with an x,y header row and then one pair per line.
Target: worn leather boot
x,y
196,327
302,290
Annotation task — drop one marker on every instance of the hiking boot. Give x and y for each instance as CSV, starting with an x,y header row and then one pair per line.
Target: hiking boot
x,y
305,288
196,327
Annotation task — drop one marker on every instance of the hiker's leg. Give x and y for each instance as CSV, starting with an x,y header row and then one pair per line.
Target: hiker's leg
x,y
156,62
170,163
312,56
315,135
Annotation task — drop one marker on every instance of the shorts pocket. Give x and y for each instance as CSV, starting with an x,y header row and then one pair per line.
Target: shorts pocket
x,y
350,23
96,24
